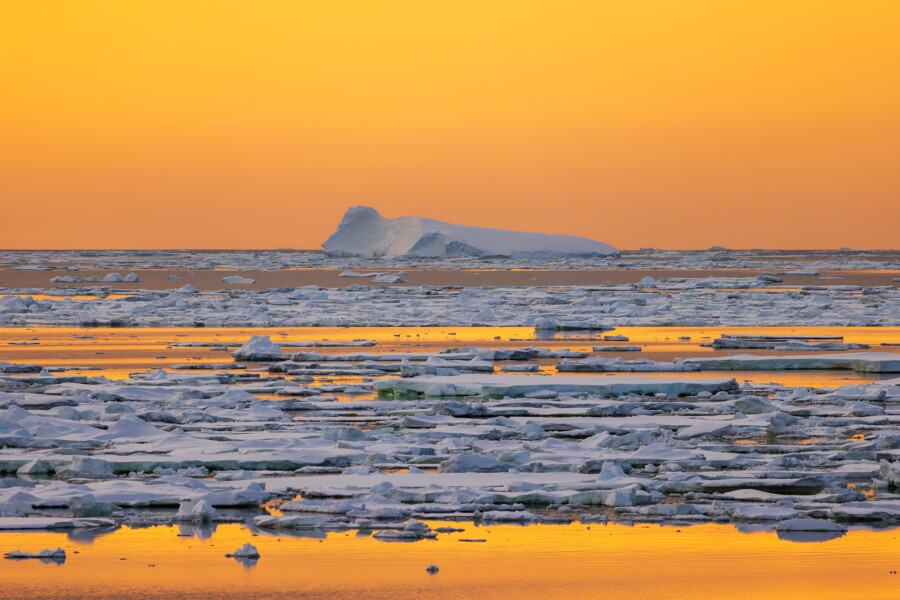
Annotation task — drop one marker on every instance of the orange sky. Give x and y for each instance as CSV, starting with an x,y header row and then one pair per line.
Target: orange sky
x,y
674,124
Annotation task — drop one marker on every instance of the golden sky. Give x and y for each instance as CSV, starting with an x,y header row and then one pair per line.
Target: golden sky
x,y
235,124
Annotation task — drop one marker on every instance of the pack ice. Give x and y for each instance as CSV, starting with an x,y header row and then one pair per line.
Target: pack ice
x,y
200,449
364,232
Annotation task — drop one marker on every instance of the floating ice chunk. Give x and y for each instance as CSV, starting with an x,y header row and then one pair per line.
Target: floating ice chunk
x,y
35,467
707,429
865,362
432,569
358,470
263,412
809,525
237,280
292,522
85,467
259,347
599,364
514,516
782,419
876,510
246,551
130,427
484,316
781,343
23,523
660,453
521,368
17,504
890,473
520,385
627,496
112,278
388,278
616,348
18,368
363,232
611,470
414,525
673,510
473,463
544,324
345,434
865,392
751,405
131,278
15,304
864,409
197,511
55,555
754,512
87,506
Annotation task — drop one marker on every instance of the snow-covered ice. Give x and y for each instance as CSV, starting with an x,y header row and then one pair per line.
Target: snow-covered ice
x,y
864,362
294,438
364,232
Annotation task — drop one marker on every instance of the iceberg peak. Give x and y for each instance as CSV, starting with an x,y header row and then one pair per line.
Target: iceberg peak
x,y
364,232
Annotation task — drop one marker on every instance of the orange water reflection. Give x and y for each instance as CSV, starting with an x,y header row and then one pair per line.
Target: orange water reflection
x,y
120,351
570,561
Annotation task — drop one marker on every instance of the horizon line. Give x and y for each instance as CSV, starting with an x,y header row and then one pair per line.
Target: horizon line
x,y
714,248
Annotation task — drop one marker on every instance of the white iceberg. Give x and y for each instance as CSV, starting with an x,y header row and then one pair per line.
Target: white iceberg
x,y
364,232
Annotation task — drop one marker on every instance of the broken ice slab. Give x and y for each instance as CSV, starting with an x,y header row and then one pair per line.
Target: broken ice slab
x,y
23,523
781,337
520,385
782,342
599,364
57,556
616,348
863,362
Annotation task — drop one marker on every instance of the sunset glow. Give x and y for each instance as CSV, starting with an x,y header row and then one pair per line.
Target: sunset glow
x,y
225,124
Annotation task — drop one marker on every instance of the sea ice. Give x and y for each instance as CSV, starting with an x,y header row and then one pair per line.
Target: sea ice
x,y
864,362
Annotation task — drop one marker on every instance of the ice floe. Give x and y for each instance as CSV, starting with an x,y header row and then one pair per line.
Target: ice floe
x,y
864,362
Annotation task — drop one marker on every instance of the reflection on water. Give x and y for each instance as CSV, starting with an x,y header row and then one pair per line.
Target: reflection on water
x,y
542,561
118,352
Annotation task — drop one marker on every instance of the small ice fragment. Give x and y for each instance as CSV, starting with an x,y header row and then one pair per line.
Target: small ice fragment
x,y
248,550
237,279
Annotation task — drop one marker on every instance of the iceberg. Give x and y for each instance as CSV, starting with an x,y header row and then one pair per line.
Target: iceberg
x,y
364,232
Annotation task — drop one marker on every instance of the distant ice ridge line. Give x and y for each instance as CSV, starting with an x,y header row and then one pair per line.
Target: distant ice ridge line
x,y
706,302
364,232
